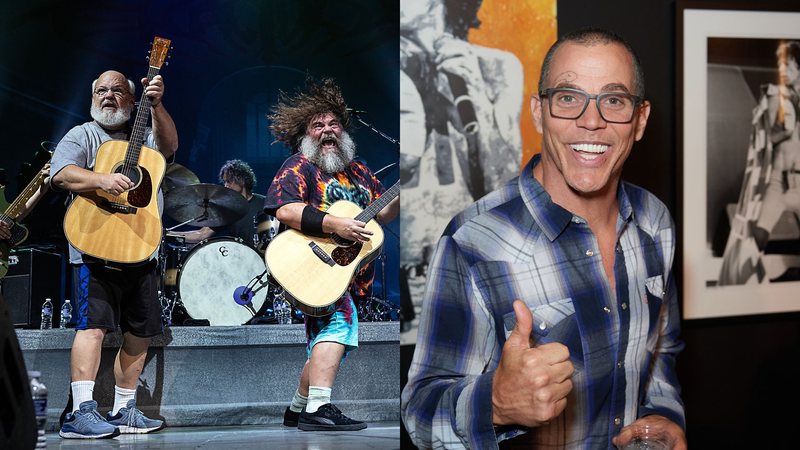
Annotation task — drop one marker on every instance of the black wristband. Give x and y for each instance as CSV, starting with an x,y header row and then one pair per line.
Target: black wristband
x,y
311,221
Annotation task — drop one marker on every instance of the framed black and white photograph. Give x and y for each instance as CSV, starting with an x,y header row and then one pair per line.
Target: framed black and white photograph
x,y
739,77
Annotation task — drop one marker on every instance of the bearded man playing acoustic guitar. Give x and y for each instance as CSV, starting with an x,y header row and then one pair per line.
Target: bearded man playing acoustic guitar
x,y
319,173
111,295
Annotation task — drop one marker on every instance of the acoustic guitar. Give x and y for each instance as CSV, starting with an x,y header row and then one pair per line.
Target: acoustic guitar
x,y
125,228
12,212
316,271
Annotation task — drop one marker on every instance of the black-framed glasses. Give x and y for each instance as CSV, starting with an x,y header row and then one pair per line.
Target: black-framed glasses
x,y
568,103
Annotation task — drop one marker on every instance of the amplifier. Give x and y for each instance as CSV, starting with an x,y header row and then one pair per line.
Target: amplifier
x,y
33,275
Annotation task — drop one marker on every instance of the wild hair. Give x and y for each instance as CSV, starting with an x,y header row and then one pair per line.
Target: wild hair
x,y
131,87
589,36
239,172
290,117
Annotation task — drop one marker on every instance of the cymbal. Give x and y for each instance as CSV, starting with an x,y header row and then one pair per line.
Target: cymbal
x,y
177,176
219,205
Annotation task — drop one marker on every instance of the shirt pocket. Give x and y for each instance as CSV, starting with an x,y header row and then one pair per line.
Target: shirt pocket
x,y
553,322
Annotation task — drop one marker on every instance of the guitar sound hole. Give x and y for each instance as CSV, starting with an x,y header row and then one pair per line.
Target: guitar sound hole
x,y
131,172
345,255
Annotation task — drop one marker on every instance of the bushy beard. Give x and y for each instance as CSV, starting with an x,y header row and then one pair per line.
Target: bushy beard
x,y
331,162
111,119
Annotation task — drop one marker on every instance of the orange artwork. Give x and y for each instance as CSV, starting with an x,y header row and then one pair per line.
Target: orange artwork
x,y
526,28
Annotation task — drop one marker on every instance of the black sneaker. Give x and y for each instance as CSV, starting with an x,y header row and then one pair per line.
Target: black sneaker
x,y
290,418
328,418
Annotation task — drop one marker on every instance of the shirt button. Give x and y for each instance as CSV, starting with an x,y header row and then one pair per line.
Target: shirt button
x,y
606,309
617,421
624,306
620,364
619,249
589,253
542,326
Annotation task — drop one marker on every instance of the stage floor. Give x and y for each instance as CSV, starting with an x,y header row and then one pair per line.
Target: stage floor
x,y
379,435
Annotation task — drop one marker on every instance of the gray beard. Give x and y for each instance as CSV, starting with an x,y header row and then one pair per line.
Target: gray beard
x,y
111,119
333,162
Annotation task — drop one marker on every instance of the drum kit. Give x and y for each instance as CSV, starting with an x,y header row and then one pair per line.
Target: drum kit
x,y
222,280
218,281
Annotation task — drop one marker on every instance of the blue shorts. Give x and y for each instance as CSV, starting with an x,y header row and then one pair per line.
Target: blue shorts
x,y
341,327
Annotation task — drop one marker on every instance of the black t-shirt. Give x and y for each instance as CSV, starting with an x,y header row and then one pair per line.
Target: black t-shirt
x,y
244,228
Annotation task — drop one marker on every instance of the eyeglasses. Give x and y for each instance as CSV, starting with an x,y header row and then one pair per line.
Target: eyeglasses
x,y
102,91
614,107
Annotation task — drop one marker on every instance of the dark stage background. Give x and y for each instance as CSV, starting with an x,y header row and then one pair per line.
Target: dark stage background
x,y
230,58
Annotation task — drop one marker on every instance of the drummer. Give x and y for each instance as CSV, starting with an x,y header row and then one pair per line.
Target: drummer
x,y
237,176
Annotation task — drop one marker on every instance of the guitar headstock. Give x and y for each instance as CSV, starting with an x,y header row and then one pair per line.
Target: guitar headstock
x,y
160,51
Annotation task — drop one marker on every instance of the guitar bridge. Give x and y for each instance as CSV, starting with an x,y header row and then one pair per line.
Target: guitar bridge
x,y
119,207
321,254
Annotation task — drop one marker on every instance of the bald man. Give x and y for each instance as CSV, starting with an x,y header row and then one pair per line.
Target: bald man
x,y
111,295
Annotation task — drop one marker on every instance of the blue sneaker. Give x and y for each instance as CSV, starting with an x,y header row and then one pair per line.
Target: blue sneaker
x,y
130,420
87,423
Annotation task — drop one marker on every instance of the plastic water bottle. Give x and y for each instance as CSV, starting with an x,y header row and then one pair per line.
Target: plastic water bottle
x,y
66,313
39,394
47,315
283,312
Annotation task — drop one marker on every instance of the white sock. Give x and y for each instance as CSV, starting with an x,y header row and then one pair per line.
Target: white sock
x,y
298,402
82,391
317,396
121,397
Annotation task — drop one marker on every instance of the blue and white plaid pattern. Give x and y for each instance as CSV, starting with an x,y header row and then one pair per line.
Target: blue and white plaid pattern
x,y
516,244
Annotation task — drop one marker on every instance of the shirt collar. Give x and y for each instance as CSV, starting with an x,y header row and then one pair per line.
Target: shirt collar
x,y
552,218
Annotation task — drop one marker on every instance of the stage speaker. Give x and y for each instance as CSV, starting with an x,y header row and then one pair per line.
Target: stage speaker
x,y
17,420
33,275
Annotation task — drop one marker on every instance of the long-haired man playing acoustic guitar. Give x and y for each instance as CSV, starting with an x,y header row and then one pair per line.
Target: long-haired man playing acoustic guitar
x,y
313,122
111,295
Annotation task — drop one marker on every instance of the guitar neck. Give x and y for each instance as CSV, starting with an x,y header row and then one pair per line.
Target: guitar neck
x,y
139,125
17,207
375,207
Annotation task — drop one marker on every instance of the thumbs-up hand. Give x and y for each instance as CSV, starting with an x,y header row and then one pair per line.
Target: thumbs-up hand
x,y
530,384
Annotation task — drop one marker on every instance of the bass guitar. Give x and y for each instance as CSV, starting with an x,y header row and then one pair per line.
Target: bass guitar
x,y
316,271
12,212
125,228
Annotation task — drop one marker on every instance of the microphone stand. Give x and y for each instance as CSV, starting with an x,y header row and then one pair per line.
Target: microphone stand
x,y
357,114
377,315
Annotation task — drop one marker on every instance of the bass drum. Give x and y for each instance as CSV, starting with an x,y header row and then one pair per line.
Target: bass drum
x,y
214,280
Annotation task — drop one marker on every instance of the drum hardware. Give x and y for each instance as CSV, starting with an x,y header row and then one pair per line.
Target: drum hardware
x,y
374,309
243,295
204,205
266,228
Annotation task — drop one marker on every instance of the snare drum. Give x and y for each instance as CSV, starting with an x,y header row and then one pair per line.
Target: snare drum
x,y
214,278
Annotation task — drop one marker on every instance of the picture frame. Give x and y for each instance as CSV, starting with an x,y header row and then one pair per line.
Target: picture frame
x,y
727,60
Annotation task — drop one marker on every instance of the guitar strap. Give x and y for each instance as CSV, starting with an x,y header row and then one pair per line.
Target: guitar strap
x,y
351,176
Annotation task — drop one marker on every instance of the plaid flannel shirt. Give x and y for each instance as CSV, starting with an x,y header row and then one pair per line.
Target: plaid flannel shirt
x,y
516,243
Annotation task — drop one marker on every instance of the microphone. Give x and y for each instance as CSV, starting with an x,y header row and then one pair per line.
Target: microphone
x,y
463,102
242,295
355,112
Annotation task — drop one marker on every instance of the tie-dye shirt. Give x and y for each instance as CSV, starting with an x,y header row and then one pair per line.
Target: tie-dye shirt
x,y
300,180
